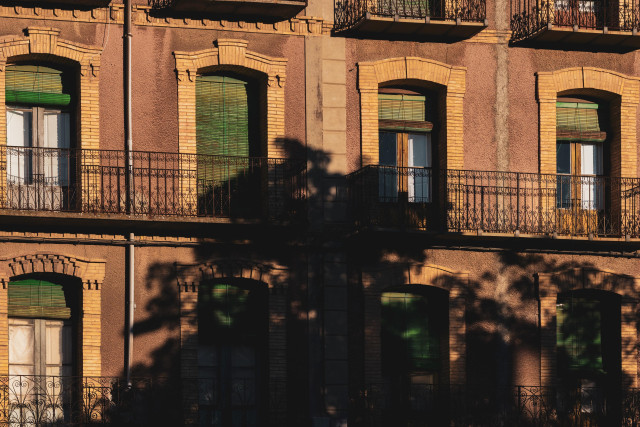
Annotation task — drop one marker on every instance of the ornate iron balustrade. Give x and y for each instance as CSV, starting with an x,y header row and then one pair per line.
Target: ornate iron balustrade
x,y
497,202
348,13
389,196
418,405
162,184
530,17
34,401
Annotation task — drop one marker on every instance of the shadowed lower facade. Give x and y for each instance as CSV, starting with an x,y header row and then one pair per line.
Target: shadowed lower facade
x,y
392,213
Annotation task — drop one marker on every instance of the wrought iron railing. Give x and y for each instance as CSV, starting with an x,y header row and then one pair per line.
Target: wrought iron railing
x,y
498,202
420,405
161,184
388,196
529,17
38,401
349,13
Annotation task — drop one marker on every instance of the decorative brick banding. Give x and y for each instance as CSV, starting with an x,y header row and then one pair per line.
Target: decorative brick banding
x,y
451,79
91,274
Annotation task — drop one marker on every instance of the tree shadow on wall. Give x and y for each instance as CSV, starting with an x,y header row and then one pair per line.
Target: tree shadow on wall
x,y
503,338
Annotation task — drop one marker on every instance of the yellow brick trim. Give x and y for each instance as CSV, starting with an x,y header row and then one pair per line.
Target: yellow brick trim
x,y
376,280
90,272
451,78
577,79
551,284
189,276
230,53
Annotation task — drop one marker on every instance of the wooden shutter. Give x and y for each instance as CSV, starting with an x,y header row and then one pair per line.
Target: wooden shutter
x,y
36,85
403,113
410,338
578,121
579,333
37,298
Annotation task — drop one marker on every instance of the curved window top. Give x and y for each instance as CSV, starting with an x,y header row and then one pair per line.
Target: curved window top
x,y
37,85
36,298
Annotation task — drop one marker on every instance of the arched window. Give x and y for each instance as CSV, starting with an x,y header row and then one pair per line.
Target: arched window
x,y
414,333
40,122
406,121
589,349
42,329
581,151
232,342
227,129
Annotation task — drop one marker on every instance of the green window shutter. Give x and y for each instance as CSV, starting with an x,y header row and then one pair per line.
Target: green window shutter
x,y
222,128
227,312
410,338
37,298
222,116
578,121
579,333
35,85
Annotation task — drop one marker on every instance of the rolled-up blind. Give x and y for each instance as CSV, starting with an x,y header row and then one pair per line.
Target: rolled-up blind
x,y
409,333
579,121
403,112
36,85
579,333
37,298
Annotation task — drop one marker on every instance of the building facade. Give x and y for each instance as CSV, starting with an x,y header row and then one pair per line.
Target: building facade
x,y
367,213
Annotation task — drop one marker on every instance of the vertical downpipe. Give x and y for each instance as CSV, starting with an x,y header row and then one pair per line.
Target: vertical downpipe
x,y
128,129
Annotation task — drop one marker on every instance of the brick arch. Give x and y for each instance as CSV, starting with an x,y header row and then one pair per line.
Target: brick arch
x,y
375,281
624,107
451,78
234,53
44,42
274,277
551,284
90,272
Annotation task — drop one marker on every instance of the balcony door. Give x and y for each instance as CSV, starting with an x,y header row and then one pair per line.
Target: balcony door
x,y
589,356
405,160
581,153
40,352
39,138
414,331
227,177
232,340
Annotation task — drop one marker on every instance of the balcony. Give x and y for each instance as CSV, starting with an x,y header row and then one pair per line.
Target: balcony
x,y
31,400
425,404
411,18
258,9
78,4
602,23
495,202
160,185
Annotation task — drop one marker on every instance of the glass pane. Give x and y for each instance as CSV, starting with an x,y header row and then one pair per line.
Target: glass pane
x,y
387,148
420,164
57,138
19,135
21,346
563,192
563,157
